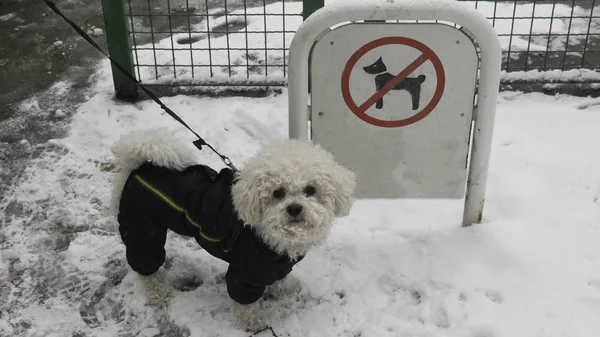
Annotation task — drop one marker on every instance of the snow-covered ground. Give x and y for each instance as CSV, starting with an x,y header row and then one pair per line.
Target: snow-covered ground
x,y
392,268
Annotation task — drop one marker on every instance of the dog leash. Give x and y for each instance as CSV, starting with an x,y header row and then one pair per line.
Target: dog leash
x,y
197,143
268,328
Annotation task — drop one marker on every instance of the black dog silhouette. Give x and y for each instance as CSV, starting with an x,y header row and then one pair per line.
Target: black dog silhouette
x,y
410,84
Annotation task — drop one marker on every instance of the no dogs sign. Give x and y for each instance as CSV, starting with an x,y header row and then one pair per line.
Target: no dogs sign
x,y
389,87
385,81
394,103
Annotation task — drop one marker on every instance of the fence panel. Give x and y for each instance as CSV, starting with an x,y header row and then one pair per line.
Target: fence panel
x,y
244,43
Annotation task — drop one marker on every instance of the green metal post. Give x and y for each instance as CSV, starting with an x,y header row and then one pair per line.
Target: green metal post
x,y
310,6
117,38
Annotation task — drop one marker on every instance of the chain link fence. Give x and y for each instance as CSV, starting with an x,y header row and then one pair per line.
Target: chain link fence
x,y
245,43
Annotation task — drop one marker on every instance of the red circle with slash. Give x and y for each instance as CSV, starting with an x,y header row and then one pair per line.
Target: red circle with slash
x,y
426,55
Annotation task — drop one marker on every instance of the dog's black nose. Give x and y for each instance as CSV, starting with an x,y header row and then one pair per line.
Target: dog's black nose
x,y
294,210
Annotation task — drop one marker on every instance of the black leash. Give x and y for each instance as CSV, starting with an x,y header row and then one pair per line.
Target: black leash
x,y
198,143
268,328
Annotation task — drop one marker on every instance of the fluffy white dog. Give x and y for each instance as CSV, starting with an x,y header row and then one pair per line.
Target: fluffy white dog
x,y
261,220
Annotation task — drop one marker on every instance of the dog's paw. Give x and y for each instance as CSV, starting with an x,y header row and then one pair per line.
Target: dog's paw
x,y
157,289
187,283
250,317
288,287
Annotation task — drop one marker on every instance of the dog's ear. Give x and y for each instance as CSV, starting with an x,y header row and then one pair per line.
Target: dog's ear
x,y
342,183
246,193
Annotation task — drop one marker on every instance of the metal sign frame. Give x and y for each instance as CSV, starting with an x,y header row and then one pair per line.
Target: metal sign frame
x,y
454,12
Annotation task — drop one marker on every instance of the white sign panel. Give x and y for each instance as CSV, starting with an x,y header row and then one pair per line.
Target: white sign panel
x,y
394,103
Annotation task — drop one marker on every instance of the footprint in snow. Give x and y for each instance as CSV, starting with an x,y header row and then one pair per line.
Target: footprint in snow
x,y
482,332
253,127
494,296
594,283
187,283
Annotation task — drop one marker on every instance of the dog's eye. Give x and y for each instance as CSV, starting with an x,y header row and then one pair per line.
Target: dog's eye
x,y
309,191
279,193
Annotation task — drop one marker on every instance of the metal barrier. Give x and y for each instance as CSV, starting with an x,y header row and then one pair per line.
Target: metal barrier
x,y
244,43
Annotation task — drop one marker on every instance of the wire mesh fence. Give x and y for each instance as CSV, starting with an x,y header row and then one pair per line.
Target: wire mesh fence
x,y
246,42
212,42
555,36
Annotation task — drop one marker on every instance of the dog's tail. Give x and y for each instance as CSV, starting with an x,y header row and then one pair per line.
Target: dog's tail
x,y
159,145
421,78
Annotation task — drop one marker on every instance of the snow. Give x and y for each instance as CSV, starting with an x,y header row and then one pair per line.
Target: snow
x,y
7,17
391,268
588,103
573,75
61,88
59,113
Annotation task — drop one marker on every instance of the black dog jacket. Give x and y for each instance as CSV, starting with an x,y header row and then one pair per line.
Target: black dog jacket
x,y
195,202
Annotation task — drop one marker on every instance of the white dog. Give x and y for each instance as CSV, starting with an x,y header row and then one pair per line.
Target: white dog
x,y
261,220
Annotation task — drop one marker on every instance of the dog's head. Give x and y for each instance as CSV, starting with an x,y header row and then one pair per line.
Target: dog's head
x,y
376,68
290,192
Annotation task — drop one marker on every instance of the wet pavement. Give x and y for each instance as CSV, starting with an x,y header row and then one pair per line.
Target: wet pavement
x,y
38,50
